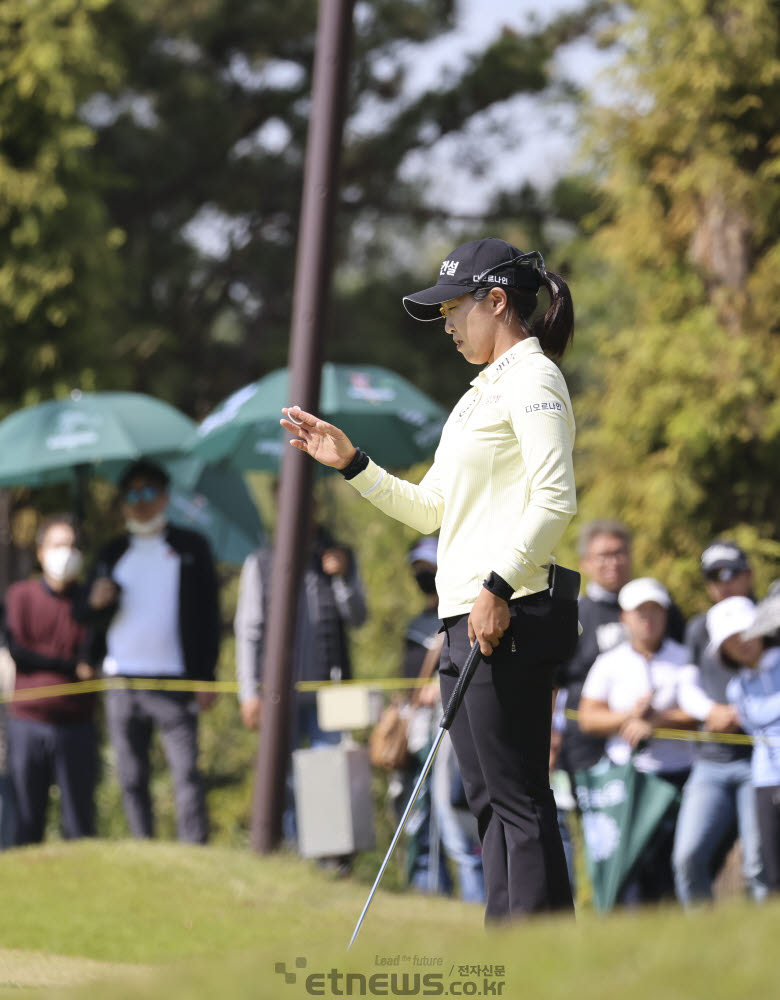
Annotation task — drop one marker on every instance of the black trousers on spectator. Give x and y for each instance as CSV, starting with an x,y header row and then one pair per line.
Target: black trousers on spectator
x,y
501,736
42,754
768,807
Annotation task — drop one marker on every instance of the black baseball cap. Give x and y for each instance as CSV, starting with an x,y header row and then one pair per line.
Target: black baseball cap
x,y
723,560
482,263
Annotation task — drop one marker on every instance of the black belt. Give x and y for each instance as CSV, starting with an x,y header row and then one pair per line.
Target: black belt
x,y
538,598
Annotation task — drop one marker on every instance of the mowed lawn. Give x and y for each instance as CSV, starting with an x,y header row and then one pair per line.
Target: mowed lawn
x,y
128,919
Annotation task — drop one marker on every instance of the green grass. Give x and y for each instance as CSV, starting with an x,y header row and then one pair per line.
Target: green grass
x,y
213,922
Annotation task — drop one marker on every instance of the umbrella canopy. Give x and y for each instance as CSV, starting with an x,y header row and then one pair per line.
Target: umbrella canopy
x,y
376,408
216,502
621,811
66,441
45,443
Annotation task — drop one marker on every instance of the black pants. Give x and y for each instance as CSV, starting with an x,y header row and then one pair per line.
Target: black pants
x,y
768,807
43,753
501,736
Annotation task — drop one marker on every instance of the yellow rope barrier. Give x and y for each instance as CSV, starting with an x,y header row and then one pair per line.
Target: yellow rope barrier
x,y
380,683
691,735
179,684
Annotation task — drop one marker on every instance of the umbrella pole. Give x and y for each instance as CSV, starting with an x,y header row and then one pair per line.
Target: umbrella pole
x,y
449,714
80,494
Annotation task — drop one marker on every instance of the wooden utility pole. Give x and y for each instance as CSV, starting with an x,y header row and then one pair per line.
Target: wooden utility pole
x,y
310,309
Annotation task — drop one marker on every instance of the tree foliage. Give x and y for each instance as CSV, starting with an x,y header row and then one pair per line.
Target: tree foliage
x,y
58,269
207,137
682,427
151,159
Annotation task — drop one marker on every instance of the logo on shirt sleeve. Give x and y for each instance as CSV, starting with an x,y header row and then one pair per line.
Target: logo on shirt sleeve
x,y
553,406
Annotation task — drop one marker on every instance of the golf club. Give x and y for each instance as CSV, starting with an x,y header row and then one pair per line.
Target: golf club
x,y
446,721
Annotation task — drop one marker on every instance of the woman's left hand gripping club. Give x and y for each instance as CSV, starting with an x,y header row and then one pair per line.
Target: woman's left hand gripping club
x,y
488,621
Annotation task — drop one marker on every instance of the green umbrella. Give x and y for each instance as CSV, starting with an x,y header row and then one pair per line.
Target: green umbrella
x,y
46,443
216,502
66,441
377,409
621,810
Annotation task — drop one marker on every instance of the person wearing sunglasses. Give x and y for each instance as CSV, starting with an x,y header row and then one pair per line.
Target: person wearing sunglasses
x,y
501,493
153,592
718,801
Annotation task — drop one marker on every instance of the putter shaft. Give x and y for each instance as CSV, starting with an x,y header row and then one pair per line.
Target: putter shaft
x,y
449,714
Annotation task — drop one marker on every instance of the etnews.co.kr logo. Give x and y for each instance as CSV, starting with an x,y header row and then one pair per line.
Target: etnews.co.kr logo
x,y
334,983
290,977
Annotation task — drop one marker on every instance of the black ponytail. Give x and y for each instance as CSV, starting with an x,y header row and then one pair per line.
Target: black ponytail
x,y
555,329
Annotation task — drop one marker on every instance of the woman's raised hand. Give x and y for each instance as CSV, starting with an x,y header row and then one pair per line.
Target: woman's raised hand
x,y
319,439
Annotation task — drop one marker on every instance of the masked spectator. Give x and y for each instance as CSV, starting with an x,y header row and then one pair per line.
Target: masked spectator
x,y
153,592
440,824
53,739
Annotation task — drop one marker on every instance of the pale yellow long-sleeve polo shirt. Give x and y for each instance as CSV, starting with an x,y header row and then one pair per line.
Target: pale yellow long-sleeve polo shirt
x,y
501,487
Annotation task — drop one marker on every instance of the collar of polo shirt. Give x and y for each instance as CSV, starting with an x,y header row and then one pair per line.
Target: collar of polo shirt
x,y
508,360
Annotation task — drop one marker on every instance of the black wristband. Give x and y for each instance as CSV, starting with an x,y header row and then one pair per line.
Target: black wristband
x,y
497,585
358,464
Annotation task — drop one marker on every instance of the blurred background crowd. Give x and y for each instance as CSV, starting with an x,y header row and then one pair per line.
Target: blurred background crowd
x,y
147,613
151,160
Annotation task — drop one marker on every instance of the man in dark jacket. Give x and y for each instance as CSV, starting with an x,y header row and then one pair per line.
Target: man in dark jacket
x,y
154,592
331,600
605,559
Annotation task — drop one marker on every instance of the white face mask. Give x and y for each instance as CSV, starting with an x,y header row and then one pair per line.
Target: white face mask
x,y
62,563
152,527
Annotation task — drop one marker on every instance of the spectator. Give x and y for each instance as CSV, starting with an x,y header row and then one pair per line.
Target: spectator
x,y
53,739
458,829
632,690
605,559
422,630
742,639
331,600
561,784
7,808
718,797
426,869
441,824
154,594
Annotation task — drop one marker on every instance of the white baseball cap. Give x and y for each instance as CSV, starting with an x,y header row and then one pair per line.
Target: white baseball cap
x,y
644,588
727,618
424,550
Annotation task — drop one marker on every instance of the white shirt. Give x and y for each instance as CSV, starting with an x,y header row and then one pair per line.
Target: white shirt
x,y
622,675
501,487
143,638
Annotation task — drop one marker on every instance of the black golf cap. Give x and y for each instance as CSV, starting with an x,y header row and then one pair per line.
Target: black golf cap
x,y
488,263
723,560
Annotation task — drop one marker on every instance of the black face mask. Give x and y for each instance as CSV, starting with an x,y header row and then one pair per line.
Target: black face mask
x,y
426,581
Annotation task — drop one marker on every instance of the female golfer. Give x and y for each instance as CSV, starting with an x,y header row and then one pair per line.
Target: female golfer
x,y
501,492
